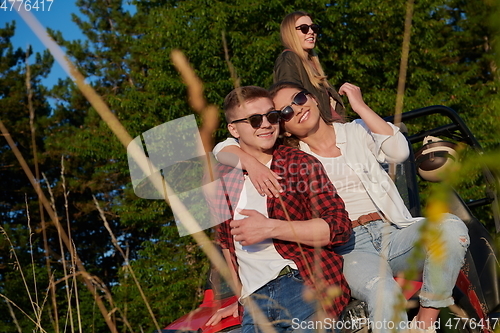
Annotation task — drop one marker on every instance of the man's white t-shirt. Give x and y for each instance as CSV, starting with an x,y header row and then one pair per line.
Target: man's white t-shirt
x,y
258,263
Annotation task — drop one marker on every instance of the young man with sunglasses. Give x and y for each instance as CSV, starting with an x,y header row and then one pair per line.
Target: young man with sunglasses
x,y
280,245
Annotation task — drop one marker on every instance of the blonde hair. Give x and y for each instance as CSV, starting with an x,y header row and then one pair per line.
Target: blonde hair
x,y
290,40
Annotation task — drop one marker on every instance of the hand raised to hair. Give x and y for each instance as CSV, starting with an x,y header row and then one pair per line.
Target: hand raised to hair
x,y
355,97
374,122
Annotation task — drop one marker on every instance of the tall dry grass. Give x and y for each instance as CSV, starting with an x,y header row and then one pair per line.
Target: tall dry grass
x,y
75,268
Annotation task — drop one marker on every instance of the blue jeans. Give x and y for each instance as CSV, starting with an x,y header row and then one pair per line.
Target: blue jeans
x,y
378,251
282,304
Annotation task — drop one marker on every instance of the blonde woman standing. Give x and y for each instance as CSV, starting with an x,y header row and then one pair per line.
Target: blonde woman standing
x,y
299,63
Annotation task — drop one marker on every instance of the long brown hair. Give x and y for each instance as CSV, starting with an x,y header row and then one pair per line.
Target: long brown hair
x,y
309,59
291,140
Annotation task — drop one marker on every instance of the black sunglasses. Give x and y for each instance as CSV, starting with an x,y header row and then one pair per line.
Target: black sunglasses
x,y
299,99
255,120
304,28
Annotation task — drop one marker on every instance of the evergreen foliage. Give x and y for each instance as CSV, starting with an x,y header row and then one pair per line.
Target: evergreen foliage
x,y
126,57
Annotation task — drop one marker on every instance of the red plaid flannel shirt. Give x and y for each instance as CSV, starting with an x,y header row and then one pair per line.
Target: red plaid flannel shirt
x,y
308,194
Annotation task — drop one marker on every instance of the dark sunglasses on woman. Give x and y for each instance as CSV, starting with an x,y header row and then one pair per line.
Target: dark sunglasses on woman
x,y
255,120
299,99
304,28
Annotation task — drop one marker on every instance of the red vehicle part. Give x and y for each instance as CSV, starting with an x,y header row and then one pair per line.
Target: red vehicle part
x,y
195,320
478,287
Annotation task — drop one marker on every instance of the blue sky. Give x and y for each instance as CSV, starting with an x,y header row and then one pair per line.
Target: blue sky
x,y
57,18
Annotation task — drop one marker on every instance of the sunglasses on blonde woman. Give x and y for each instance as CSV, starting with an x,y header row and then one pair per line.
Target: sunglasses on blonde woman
x,y
304,28
255,120
299,99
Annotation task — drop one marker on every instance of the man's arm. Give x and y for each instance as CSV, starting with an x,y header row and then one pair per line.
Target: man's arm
x,y
257,227
231,309
329,225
